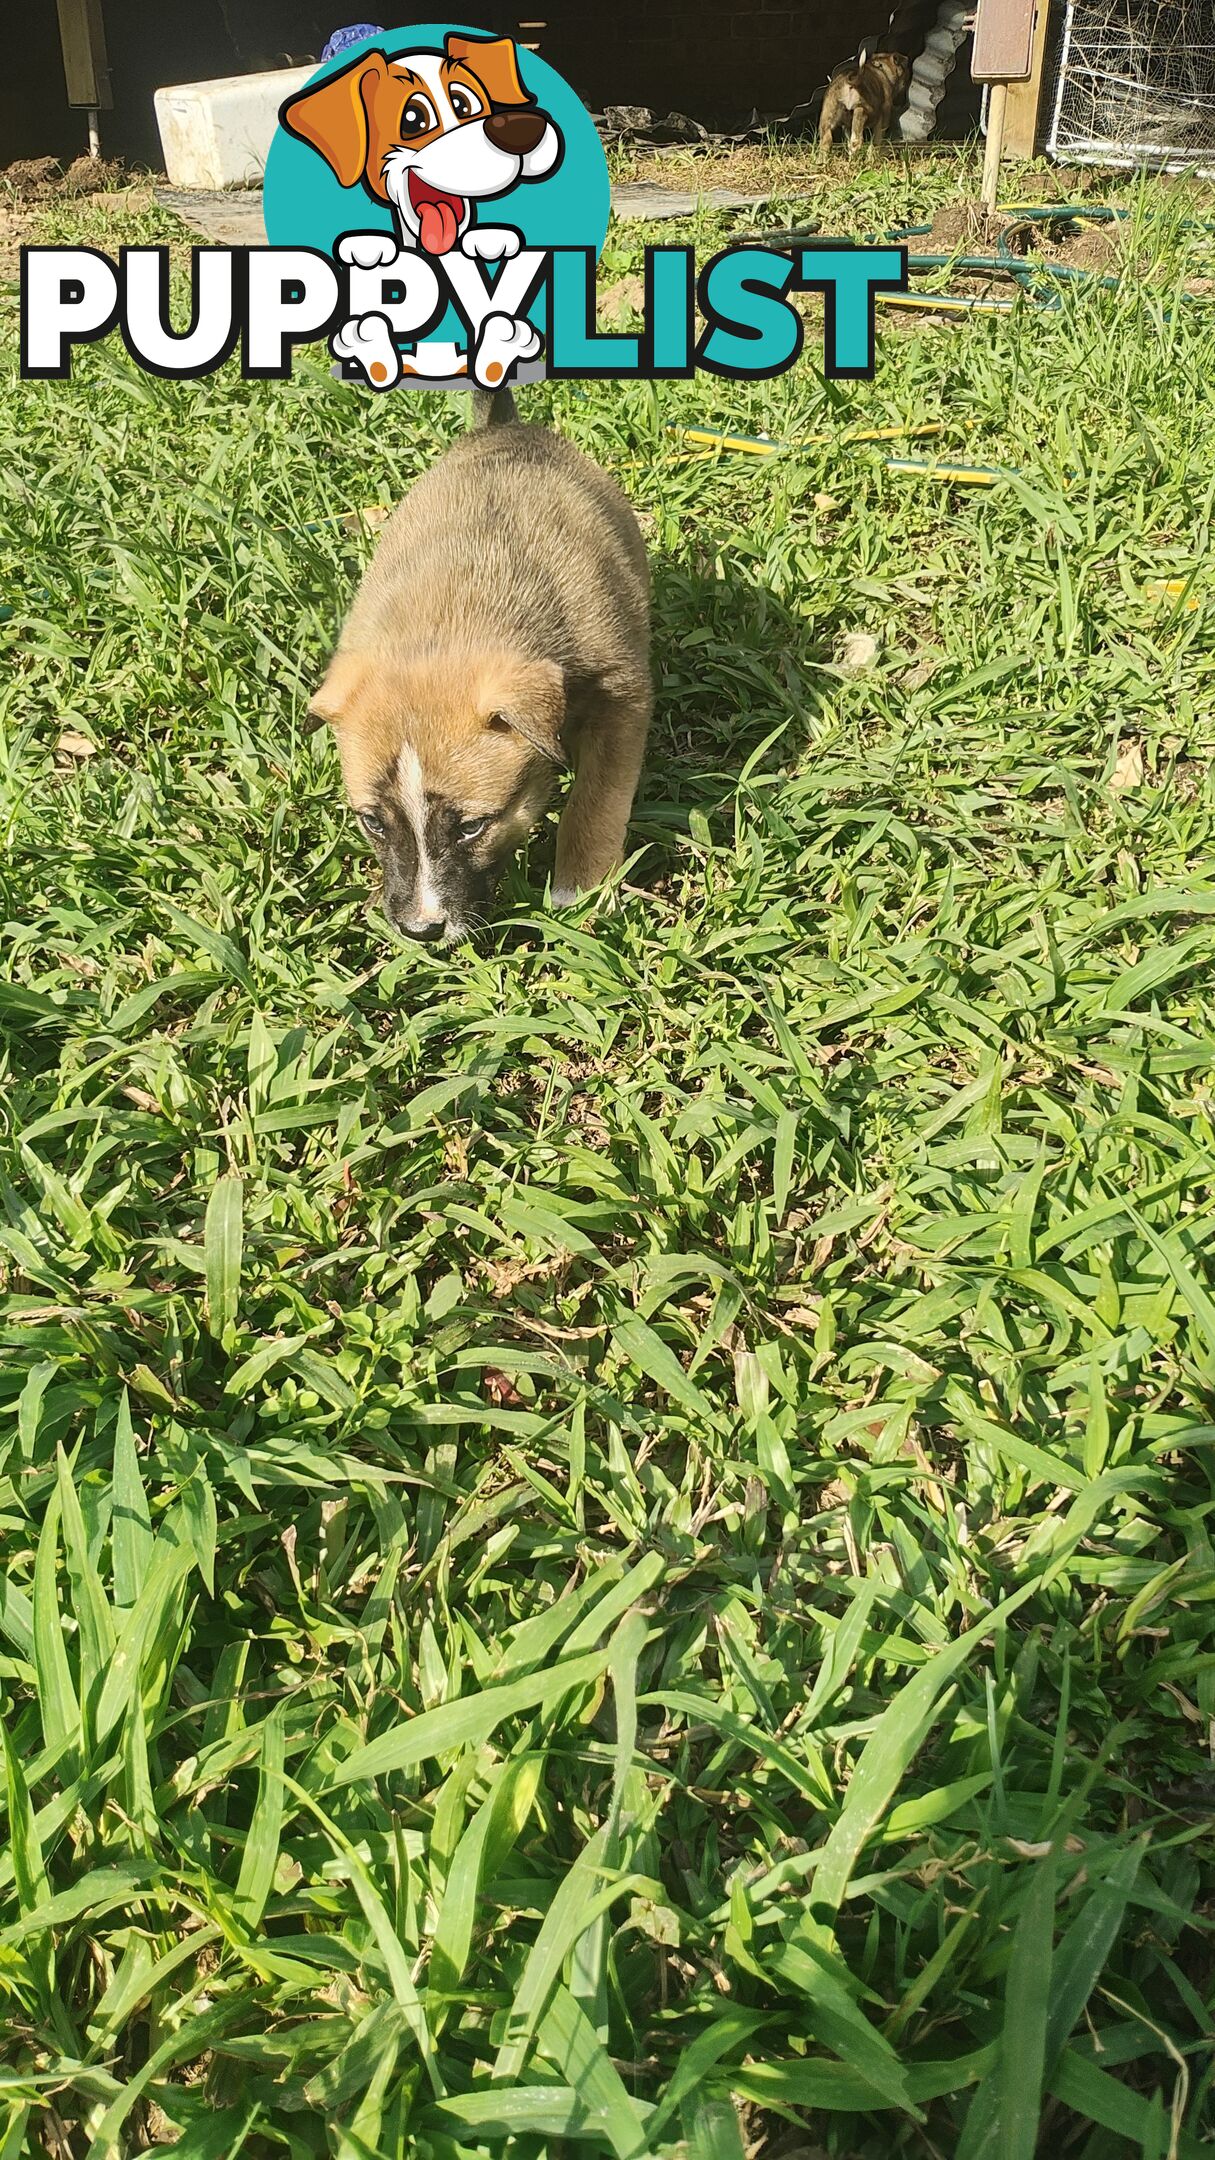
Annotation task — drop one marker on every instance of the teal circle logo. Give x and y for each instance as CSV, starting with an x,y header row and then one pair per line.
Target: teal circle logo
x,y
436,164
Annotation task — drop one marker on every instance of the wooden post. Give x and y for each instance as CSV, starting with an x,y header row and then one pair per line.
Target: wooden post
x,y
85,67
997,105
1025,98
1004,32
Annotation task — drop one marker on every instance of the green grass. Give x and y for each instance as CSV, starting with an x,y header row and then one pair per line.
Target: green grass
x,y
607,1536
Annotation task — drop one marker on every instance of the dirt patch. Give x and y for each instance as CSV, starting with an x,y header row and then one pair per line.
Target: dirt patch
x,y
795,166
750,169
966,229
30,178
92,176
30,190
42,179
16,232
623,298
1088,247
963,229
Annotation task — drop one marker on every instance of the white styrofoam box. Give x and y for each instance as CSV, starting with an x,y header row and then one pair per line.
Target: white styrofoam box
x,y
218,134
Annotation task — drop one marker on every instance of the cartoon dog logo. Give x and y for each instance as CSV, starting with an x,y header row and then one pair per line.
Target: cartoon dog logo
x,y
432,135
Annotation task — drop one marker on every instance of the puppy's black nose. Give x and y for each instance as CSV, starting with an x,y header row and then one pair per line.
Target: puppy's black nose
x,y
517,132
428,932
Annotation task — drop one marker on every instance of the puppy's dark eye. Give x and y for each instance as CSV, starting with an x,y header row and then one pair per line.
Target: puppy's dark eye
x,y
472,827
372,825
463,103
417,117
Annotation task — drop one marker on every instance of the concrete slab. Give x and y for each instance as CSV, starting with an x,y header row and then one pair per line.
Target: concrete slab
x,y
225,217
646,199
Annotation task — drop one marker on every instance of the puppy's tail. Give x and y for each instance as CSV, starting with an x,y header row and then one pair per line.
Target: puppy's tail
x,y
492,408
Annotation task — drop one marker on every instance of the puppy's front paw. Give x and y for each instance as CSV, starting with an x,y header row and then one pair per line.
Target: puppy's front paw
x,y
503,342
367,340
607,900
490,243
368,250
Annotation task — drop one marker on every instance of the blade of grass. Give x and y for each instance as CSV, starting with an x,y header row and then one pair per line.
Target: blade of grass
x,y
223,1234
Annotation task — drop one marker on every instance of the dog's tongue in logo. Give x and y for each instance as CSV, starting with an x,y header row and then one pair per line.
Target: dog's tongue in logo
x,y
439,215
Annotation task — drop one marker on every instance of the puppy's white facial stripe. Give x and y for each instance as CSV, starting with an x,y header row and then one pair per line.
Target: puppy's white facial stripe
x,y
411,792
426,69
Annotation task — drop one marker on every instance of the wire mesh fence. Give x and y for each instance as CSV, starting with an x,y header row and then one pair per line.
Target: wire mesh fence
x,y
1133,83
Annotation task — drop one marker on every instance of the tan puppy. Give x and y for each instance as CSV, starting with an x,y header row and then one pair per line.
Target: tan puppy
x,y
867,89
501,633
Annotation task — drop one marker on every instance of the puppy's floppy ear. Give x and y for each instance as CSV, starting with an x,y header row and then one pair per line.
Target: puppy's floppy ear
x,y
332,117
494,64
346,671
527,698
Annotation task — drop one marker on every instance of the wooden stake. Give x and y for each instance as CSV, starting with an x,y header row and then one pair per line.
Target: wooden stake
x,y
82,36
997,103
1024,98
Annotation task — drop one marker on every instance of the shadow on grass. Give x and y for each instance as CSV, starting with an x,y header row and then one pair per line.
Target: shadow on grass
x,y
740,689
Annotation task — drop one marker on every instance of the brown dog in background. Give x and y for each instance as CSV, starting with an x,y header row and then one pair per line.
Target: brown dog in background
x,y
500,634
868,89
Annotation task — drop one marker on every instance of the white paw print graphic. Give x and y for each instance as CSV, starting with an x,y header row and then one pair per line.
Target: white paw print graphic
x,y
367,340
368,250
490,243
503,342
